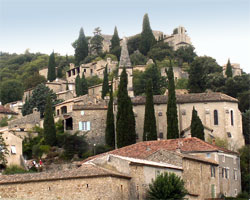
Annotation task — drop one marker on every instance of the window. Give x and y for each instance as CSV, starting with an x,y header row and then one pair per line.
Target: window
x,y
57,111
13,149
69,73
226,173
235,192
223,172
84,126
235,174
157,173
161,135
82,112
212,171
74,72
213,190
84,70
208,155
216,122
232,117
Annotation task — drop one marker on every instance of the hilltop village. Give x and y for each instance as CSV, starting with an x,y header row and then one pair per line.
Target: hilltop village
x,y
122,113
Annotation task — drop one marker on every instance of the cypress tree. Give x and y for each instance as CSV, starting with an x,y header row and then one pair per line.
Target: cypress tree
x,y
172,120
229,72
149,132
125,123
115,41
81,47
78,85
110,126
49,124
197,129
51,68
67,85
84,85
105,83
147,36
4,152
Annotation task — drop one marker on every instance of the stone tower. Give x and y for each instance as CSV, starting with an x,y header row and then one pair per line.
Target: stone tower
x,y
125,62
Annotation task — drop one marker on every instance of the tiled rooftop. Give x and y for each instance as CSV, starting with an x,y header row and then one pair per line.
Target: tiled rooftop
x,y
4,110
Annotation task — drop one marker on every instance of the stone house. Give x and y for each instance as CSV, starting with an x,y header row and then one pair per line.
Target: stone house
x,y
237,71
15,106
65,95
6,112
217,111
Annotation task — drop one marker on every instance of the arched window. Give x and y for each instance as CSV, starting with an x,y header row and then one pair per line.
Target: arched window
x,y
232,118
216,121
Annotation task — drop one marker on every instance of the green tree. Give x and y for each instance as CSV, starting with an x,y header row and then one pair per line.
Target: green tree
x,y
105,83
138,59
81,47
52,67
246,126
167,186
160,51
33,81
96,42
229,72
197,129
115,44
185,54
147,36
133,43
172,120
49,124
84,85
93,80
110,126
4,152
125,123
78,86
149,131
245,166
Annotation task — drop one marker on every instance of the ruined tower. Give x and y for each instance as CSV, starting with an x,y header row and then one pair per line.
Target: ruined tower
x,y
125,62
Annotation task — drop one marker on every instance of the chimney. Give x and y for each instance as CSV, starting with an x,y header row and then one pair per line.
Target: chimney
x,y
213,141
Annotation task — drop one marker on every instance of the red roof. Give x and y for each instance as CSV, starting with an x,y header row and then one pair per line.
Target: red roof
x,y
142,150
6,110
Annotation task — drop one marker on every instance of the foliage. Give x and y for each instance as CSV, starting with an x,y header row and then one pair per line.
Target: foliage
x,y
149,130
125,123
182,83
93,80
96,42
100,148
138,82
138,59
3,151
229,72
51,68
197,128
245,166
84,85
172,118
10,90
160,51
220,142
89,59
185,54
167,186
33,81
105,83
4,122
133,43
244,103
14,169
147,36
175,31
81,47
246,126
49,124
115,44
112,56
78,86
215,81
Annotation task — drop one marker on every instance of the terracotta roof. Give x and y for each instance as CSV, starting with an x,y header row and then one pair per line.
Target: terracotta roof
x,y
4,110
142,150
85,171
187,98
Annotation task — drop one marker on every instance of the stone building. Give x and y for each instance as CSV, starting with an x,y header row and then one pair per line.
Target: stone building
x,y
178,73
237,71
15,106
6,112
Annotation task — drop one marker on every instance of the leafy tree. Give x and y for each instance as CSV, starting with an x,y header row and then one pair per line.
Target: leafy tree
x,y
215,81
4,152
185,54
10,90
81,47
167,186
125,123
105,83
147,36
93,80
138,59
149,131
197,129
4,122
182,83
244,166
246,126
96,42
110,126
229,72
115,44
84,85
175,31
172,120
244,103
49,124
78,85
51,68
133,43
33,81
160,51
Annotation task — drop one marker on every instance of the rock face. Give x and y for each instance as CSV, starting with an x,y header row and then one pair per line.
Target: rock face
x,y
125,62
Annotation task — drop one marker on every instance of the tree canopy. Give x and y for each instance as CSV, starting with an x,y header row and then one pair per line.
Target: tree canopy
x,y
229,72
105,83
115,44
81,48
51,68
197,128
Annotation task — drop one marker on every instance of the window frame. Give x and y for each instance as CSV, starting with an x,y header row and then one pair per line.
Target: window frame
x,y
216,117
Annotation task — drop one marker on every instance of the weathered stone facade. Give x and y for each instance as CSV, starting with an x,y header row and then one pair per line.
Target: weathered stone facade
x,y
178,73
6,112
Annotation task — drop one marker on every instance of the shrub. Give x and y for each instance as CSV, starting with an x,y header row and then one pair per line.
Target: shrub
x,y
100,148
14,169
4,122
138,59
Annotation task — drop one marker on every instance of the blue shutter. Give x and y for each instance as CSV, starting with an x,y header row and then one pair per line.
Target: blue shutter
x,y
80,126
88,126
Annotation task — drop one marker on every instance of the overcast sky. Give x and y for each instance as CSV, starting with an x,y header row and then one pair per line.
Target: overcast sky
x,y
218,28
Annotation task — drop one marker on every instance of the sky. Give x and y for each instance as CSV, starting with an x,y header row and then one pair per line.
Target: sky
x,y
217,28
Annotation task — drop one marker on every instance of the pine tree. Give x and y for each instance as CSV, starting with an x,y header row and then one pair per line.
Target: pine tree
x,y
172,120
147,36
78,86
197,129
3,151
49,124
105,84
110,126
229,72
51,68
84,85
81,47
149,132
125,123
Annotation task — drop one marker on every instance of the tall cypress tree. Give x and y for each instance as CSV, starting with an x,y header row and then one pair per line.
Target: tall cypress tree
x,y
49,124
125,123
78,86
51,68
115,44
147,36
81,47
110,126
4,152
149,132
105,83
197,129
172,120
229,72
84,85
